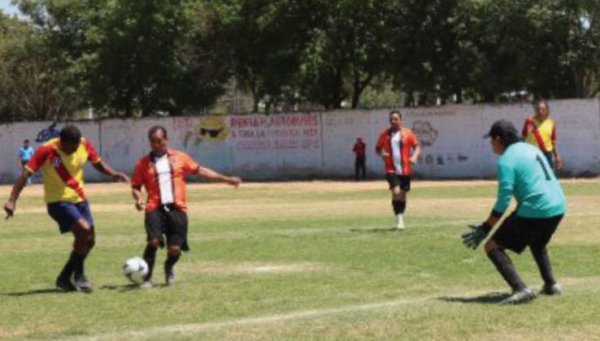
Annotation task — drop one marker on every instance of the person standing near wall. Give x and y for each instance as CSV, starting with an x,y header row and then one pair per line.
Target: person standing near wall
x,y
25,154
394,146
360,160
539,130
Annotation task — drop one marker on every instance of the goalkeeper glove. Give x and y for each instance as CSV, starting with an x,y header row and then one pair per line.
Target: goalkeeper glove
x,y
473,238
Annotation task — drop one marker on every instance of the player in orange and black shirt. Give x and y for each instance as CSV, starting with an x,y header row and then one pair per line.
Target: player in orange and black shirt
x,y
395,145
62,161
162,172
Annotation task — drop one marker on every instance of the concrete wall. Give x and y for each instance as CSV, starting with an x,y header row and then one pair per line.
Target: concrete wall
x,y
305,145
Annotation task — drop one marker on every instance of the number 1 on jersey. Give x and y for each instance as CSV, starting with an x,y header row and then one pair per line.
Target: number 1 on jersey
x,y
539,159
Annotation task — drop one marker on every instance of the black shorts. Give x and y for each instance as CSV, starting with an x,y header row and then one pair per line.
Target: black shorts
x,y
169,222
398,180
516,233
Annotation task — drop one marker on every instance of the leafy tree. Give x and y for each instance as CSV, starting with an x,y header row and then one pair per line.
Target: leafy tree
x,y
34,81
348,50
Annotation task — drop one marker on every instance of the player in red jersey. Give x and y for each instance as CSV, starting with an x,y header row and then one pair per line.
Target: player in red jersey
x,y
162,173
360,159
394,146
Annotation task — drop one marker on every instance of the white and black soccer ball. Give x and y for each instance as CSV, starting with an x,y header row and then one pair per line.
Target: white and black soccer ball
x,y
135,269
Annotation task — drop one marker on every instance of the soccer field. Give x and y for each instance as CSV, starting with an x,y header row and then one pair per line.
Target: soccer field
x,y
300,260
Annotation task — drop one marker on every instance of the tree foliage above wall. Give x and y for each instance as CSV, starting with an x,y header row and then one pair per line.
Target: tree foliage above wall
x,y
133,58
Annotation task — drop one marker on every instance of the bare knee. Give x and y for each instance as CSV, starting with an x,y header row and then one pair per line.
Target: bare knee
x,y
154,243
490,246
174,250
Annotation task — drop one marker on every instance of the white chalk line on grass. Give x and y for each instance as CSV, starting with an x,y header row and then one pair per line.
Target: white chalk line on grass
x,y
204,327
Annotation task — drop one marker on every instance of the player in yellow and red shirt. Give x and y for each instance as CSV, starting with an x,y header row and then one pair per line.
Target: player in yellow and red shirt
x,y
162,173
62,161
395,146
540,130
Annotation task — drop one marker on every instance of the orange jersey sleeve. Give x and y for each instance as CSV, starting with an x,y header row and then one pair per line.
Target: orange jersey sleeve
x,y
189,165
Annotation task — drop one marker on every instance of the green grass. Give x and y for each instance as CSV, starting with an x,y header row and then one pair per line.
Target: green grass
x,y
300,261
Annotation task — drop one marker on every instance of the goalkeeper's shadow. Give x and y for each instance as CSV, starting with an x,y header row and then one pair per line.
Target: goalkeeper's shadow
x,y
489,298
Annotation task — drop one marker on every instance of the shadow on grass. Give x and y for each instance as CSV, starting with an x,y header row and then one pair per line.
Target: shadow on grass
x,y
35,292
376,230
491,298
121,288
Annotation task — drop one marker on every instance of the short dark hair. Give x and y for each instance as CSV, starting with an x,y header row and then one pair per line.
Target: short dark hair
x,y
504,130
70,134
155,129
395,112
26,141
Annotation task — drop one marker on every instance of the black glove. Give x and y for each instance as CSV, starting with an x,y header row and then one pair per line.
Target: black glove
x,y
473,238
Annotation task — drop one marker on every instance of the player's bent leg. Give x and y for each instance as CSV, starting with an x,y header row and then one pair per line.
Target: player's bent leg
x,y
551,287
150,258
399,205
84,242
520,292
173,255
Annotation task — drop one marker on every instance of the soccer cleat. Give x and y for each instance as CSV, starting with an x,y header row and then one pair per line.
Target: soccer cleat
x,y
519,296
169,276
400,222
554,289
66,285
146,285
83,284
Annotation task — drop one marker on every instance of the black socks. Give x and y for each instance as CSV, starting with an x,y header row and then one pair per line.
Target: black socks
x,y
543,262
171,260
506,268
399,206
74,264
149,257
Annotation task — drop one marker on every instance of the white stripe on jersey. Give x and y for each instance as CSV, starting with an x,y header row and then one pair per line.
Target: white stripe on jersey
x,y
396,143
165,182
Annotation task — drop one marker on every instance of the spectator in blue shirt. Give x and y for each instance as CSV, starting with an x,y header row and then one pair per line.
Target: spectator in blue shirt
x,y
523,172
25,154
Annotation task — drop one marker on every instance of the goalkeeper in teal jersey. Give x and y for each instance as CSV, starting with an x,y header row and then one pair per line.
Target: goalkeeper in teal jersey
x,y
523,172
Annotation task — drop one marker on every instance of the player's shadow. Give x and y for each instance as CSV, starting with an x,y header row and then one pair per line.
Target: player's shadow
x,y
376,230
128,287
120,288
35,292
490,298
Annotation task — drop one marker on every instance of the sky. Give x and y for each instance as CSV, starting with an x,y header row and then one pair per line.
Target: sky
x,y
7,8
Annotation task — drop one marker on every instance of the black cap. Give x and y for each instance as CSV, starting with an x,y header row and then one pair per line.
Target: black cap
x,y
503,128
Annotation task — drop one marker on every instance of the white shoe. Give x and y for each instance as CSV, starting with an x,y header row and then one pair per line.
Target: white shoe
x,y
400,222
518,297
146,285
554,289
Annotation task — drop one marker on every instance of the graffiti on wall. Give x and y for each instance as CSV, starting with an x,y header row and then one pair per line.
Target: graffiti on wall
x,y
425,132
206,139
211,129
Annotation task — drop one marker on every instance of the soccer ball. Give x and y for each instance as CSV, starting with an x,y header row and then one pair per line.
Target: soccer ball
x,y
135,269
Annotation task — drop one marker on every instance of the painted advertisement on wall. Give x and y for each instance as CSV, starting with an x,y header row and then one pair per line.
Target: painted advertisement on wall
x,y
255,145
